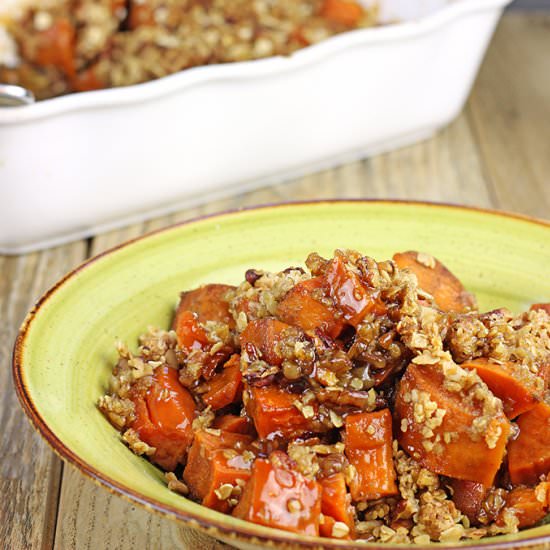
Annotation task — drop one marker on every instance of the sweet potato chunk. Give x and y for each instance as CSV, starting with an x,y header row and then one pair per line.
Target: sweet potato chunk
x,y
208,302
437,427
468,497
88,80
54,46
435,279
368,440
530,504
335,505
529,453
141,14
273,411
517,394
302,307
344,12
225,387
352,298
189,332
233,423
539,307
264,335
192,339
278,496
164,414
214,461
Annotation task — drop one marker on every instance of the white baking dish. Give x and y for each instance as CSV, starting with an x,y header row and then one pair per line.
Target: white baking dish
x,y
76,165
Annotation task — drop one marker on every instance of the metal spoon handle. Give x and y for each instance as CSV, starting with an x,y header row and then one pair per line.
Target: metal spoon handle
x,y
13,96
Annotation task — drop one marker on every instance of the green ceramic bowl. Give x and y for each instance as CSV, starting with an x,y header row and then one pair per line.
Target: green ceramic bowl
x,y
65,350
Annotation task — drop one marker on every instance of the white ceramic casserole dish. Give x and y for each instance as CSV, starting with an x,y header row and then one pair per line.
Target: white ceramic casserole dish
x,y
79,164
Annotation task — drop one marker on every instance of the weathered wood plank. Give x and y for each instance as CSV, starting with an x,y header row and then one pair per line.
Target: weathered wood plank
x,y
510,114
30,474
444,168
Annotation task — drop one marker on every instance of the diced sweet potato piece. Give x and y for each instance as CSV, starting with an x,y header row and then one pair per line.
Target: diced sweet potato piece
x,y
302,307
468,497
273,411
164,415
208,302
543,307
350,295
435,279
529,453
141,14
437,427
345,12
278,496
54,46
265,336
87,80
226,386
190,334
233,423
368,440
192,338
117,5
215,461
530,504
517,394
335,505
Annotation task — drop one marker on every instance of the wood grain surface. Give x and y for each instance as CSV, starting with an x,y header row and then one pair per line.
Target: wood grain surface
x,y
496,154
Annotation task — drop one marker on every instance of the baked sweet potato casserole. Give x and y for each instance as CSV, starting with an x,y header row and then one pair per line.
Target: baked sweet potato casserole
x,y
54,47
355,400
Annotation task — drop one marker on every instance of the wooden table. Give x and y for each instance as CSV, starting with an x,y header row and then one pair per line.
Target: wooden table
x,y
496,154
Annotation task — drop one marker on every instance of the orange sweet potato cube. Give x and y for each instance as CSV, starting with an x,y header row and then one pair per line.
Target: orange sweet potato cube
x,y
213,461
368,440
278,496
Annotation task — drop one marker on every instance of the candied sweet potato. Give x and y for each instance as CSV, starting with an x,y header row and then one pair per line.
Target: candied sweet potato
x,y
213,462
368,440
189,332
529,453
302,307
459,451
141,14
351,296
192,338
54,46
434,278
530,504
344,12
335,505
226,386
265,336
468,497
517,394
273,411
541,307
233,423
208,302
278,496
164,415
87,80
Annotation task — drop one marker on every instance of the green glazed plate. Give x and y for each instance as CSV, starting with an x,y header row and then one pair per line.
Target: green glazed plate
x,y
65,350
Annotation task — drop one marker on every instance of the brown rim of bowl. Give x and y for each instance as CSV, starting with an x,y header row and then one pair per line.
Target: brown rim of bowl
x,y
214,527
